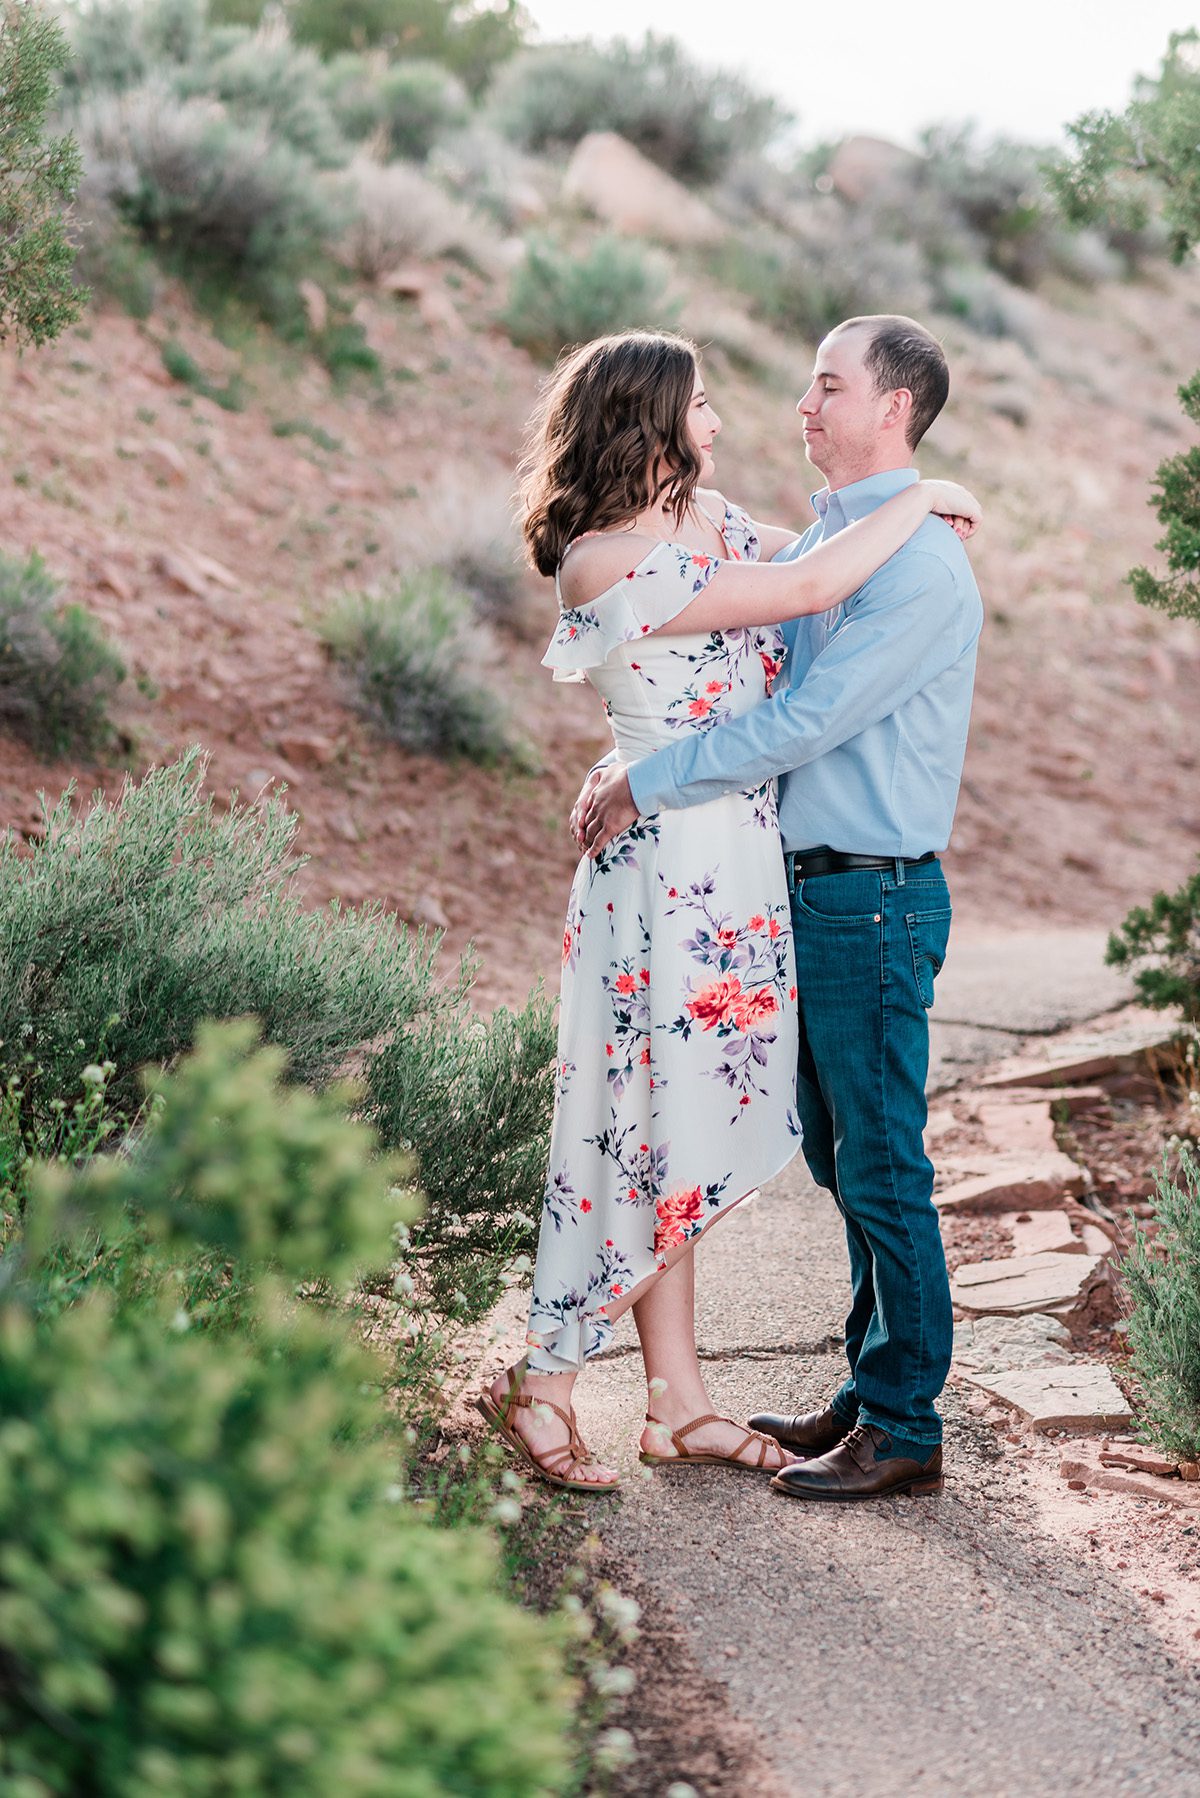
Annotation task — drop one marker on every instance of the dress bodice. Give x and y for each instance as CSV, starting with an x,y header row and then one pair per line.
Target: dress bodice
x,y
655,685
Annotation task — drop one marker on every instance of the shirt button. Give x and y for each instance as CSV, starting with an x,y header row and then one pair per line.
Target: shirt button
x,y
879,917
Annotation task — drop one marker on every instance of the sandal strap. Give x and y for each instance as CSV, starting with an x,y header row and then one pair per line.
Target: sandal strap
x,y
765,1443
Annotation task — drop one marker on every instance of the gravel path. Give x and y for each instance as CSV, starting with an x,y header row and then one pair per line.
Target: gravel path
x,y
942,1645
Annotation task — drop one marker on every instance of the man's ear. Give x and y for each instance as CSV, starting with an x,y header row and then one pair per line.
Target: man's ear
x,y
899,409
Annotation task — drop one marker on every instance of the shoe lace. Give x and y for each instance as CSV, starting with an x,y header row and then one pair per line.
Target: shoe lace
x,y
854,1438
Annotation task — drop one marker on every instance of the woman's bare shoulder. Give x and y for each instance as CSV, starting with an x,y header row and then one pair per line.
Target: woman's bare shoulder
x,y
594,564
714,503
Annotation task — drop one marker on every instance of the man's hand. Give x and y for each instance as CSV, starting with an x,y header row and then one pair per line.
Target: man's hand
x,y
604,809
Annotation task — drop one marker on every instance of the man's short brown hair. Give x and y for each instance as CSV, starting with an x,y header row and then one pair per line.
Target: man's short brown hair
x,y
903,353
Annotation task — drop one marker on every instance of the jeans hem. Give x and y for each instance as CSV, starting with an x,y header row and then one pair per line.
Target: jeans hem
x,y
922,1446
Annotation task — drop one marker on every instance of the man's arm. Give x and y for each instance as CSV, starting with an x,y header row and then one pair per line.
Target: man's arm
x,y
906,628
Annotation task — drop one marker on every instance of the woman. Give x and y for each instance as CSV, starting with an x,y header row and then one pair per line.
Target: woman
x,y
677,1038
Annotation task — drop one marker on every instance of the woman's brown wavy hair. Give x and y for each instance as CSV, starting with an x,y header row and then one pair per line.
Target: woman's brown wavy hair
x,y
609,438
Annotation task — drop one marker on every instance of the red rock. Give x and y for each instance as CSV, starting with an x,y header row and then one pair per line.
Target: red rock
x,y
308,751
1016,1128
1082,1462
1030,1183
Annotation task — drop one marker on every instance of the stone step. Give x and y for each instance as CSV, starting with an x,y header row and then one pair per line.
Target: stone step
x,y
986,1182
1081,1397
1057,1284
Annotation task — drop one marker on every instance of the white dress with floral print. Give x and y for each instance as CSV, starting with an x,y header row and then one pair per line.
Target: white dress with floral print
x,y
677,1035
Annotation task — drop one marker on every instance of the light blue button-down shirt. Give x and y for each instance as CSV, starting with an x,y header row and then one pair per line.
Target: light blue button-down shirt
x,y
867,727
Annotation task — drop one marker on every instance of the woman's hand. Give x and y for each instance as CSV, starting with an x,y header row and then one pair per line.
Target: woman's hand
x,y
959,507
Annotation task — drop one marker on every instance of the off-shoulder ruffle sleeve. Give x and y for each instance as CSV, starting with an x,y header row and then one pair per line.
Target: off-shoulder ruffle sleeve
x,y
650,595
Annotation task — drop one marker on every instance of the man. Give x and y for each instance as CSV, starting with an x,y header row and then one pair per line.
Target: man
x,y
866,733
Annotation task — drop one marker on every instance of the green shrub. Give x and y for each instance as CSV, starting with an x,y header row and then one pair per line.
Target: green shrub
x,y
223,203
396,213
210,1580
1162,1284
264,80
182,366
692,121
469,37
408,104
132,922
1177,503
58,671
472,1102
558,297
414,656
39,176
1165,935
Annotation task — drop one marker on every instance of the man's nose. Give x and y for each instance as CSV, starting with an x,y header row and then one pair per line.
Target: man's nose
x,y
806,401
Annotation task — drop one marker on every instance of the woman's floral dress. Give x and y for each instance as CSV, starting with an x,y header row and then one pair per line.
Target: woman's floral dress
x,y
677,1036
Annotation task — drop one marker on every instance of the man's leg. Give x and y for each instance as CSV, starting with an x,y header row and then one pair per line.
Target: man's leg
x,y
869,945
816,1120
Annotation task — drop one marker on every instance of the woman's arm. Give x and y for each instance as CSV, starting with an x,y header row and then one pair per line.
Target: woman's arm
x,y
772,538
744,594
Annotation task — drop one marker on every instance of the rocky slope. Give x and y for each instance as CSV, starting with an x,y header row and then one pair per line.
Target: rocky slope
x,y
209,544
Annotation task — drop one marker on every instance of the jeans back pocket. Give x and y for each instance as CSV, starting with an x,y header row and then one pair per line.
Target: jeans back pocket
x,y
929,933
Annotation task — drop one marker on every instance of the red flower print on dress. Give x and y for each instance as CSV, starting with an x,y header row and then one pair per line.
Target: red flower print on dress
x,y
625,983
756,922
678,1215
700,708
753,1009
585,1204
567,941
714,1003
774,928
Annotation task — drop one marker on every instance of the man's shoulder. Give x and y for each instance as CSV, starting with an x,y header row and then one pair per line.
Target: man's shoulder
x,y
933,557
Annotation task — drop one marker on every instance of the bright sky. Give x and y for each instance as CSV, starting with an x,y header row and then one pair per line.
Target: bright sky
x,y
1021,68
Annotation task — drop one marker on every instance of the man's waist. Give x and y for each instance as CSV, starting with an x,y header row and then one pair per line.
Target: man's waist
x,y
807,864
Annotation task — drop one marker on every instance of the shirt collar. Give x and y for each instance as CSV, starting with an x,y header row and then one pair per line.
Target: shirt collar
x,y
860,497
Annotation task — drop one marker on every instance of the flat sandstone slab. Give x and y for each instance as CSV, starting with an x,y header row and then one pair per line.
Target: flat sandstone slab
x,y
1081,1397
986,1345
1024,1183
1054,1283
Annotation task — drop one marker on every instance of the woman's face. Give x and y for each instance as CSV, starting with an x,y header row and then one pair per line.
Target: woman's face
x,y
703,426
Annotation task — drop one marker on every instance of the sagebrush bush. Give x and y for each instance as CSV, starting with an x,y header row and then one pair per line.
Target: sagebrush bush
x,y
692,121
397,214
213,1581
407,105
415,657
263,79
225,204
488,172
58,672
834,265
1161,941
139,917
472,1103
1161,1274
559,297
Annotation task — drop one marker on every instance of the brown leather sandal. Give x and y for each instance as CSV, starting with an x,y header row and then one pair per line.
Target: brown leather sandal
x,y
684,1453
549,1466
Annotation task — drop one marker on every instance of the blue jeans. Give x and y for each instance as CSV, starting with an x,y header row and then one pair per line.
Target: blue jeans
x,y
868,947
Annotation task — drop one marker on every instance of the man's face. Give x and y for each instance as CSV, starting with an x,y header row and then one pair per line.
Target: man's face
x,y
842,411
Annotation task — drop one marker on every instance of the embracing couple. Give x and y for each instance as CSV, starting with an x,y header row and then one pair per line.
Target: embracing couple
x,y
754,931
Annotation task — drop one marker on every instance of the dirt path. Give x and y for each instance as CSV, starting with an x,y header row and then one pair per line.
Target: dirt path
x,y
970,1644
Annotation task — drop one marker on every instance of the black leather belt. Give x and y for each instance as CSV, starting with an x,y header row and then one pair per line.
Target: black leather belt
x,y
806,864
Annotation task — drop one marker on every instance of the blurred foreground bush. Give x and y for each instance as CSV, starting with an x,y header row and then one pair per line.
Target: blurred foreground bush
x,y
134,921
58,671
212,1580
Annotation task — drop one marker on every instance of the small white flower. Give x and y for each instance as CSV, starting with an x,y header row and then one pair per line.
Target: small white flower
x,y
522,1265
657,1385
613,1682
506,1510
619,1610
402,1286
92,1075
679,1788
614,1748
181,1321
393,1494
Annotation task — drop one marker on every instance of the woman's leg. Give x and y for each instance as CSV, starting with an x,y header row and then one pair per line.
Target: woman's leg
x,y
665,1315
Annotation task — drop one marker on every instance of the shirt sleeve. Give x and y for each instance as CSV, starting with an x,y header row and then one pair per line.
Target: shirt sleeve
x,y
906,626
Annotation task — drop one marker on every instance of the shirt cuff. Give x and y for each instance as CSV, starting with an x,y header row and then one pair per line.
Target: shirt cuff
x,y
647,786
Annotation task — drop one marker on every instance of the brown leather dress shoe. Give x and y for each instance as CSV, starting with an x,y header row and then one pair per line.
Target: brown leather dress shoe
x,y
855,1469
809,1433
